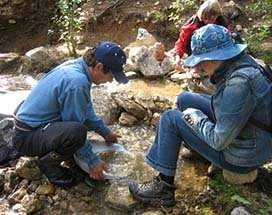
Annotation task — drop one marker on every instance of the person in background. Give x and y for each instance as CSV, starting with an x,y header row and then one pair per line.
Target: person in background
x,y
210,12
222,127
53,121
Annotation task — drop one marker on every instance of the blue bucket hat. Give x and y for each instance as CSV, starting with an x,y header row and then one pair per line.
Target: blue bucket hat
x,y
113,57
212,42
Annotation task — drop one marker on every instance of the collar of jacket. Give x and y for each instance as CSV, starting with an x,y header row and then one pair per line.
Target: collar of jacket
x,y
223,71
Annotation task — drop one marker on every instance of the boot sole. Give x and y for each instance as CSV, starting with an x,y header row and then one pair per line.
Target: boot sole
x,y
164,202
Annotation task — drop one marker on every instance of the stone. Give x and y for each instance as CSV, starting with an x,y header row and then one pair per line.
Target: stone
x,y
238,178
158,51
45,189
144,38
9,62
239,211
38,54
127,119
27,168
119,197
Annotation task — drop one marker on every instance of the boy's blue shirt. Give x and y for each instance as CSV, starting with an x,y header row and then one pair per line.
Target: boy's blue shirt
x,y
64,94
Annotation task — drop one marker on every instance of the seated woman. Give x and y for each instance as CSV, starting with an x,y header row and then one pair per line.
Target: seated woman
x,y
210,12
218,127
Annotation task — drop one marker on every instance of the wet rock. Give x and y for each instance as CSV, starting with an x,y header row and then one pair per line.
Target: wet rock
x,y
119,197
6,210
33,185
83,189
11,180
31,203
18,209
27,168
77,206
18,195
45,189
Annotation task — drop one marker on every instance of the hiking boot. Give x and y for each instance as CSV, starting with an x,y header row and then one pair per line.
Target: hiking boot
x,y
154,191
56,174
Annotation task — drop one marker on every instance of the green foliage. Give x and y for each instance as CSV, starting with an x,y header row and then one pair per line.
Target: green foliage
x,y
179,7
267,209
240,199
160,16
262,9
207,211
255,39
69,22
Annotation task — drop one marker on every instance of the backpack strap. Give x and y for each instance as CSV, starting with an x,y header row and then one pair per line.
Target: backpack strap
x,y
261,67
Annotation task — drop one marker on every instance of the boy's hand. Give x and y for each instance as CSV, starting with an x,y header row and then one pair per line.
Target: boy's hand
x,y
112,138
97,172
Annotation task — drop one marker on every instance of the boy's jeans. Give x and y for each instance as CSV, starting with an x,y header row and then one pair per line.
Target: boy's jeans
x,y
172,130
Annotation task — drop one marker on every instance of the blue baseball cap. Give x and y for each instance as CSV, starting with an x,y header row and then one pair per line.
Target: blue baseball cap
x,y
212,42
112,56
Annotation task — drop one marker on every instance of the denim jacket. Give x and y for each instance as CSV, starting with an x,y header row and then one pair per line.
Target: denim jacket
x,y
239,94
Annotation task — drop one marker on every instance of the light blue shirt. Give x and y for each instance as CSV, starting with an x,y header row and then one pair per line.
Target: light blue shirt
x,y
64,94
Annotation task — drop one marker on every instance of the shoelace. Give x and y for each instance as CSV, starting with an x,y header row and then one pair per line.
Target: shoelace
x,y
150,184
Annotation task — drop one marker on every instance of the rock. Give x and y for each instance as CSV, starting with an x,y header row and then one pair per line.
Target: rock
x,y
45,189
120,198
180,77
239,28
167,65
126,102
27,168
155,119
104,106
37,55
18,195
127,119
144,38
11,180
147,64
236,178
31,203
239,211
9,62
158,51
132,75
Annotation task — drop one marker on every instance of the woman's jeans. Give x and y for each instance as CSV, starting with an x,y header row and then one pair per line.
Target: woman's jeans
x,y
172,130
